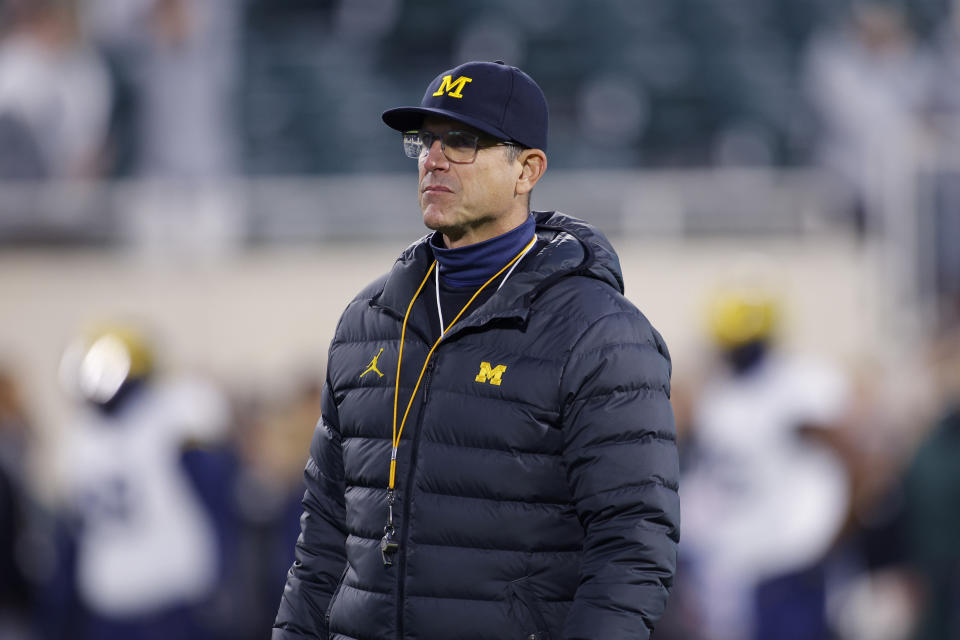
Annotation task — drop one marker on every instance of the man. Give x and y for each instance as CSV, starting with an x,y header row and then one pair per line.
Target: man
x,y
496,456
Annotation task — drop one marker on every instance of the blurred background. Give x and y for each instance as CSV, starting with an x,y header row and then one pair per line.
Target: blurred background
x,y
192,190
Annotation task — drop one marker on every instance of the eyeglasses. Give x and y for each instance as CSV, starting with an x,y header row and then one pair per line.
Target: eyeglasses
x,y
457,146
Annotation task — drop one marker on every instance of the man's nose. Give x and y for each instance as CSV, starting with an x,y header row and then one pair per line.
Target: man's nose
x,y
434,158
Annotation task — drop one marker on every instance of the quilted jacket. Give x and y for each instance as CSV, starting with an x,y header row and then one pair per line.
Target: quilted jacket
x,y
536,482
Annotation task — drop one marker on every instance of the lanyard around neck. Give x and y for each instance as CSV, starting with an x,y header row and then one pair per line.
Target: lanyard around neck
x,y
436,281
398,433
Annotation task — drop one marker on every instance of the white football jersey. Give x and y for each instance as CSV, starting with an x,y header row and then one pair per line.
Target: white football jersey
x,y
761,499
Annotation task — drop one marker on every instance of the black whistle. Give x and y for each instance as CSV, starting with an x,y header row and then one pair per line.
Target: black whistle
x,y
388,546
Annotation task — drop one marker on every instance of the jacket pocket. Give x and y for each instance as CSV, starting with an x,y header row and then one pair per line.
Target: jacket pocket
x,y
333,598
525,610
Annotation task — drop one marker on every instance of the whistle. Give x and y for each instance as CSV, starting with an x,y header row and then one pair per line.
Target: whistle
x,y
388,546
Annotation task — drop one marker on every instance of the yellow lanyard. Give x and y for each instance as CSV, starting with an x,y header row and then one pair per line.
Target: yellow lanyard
x,y
389,544
397,434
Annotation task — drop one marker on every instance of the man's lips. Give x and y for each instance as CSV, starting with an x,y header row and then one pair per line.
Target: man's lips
x,y
437,188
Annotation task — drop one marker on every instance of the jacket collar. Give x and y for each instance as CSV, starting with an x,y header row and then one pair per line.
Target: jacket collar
x,y
566,246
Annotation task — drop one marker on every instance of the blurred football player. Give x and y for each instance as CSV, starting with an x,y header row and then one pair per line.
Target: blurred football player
x,y
146,549
763,495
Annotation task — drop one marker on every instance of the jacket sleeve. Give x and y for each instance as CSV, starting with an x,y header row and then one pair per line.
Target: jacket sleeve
x,y
320,554
621,458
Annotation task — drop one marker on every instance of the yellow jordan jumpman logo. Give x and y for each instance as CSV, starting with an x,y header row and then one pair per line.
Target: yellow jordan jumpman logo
x,y
373,365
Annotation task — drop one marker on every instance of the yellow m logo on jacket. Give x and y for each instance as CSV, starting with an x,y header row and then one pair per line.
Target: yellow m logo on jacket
x,y
491,375
452,87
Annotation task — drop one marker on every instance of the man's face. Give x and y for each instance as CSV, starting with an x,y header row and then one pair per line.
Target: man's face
x,y
466,202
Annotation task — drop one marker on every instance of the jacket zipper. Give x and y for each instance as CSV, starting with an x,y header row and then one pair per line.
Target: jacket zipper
x,y
405,527
336,592
527,599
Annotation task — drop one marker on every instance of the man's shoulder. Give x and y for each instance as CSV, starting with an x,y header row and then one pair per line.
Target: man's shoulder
x,y
585,296
391,279
362,301
592,304
372,289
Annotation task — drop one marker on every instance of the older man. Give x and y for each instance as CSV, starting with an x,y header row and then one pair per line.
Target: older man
x,y
496,456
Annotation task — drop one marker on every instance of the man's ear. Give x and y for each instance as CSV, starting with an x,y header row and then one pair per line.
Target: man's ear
x,y
533,164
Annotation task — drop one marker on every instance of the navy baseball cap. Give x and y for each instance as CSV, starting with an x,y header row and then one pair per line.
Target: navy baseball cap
x,y
493,97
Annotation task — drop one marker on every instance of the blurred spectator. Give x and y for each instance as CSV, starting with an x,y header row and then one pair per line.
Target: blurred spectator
x,y
764,494
16,592
945,101
269,494
944,180
147,555
869,82
55,94
177,57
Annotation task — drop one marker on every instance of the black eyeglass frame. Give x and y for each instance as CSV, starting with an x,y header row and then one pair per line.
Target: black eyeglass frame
x,y
418,142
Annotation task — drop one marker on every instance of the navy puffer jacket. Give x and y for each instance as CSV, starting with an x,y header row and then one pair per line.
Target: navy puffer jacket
x,y
544,506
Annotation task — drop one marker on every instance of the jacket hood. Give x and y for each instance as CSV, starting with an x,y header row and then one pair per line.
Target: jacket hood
x,y
574,237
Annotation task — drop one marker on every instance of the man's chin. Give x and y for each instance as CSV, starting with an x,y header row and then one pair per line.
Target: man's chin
x,y
449,231
435,220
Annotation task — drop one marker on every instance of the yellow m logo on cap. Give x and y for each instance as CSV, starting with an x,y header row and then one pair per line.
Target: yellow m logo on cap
x,y
491,375
452,87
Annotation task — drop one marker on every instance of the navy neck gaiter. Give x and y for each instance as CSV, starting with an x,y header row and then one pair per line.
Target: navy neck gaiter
x,y
474,264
